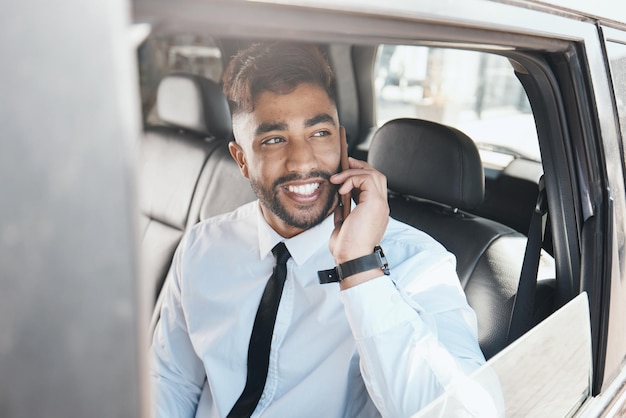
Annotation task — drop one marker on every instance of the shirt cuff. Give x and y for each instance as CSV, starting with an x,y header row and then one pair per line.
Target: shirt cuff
x,y
374,307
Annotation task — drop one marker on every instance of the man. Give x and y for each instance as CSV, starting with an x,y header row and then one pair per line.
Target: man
x,y
379,342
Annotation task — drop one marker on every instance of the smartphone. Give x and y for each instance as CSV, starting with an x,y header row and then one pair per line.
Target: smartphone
x,y
345,199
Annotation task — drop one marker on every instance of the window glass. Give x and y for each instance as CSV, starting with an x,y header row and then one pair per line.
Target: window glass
x,y
475,92
545,373
617,59
162,54
616,346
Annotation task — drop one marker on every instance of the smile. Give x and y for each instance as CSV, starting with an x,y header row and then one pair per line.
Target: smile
x,y
304,189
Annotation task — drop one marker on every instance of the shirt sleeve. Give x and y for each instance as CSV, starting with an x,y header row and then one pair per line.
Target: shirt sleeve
x,y
177,374
415,333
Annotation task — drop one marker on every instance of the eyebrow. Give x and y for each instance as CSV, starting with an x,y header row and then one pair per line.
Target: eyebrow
x,y
321,118
269,127
266,127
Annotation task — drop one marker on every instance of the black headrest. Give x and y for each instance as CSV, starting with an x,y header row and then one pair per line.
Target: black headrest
x,y
430,161
196,103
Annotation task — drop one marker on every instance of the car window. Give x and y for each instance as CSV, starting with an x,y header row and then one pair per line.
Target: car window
x,y
162,54
484,100
617,59
616,51
547,372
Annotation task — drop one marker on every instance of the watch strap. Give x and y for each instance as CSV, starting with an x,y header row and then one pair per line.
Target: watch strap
x,y
356,266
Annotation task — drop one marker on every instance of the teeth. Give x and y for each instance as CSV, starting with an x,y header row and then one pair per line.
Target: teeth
x,y
304,189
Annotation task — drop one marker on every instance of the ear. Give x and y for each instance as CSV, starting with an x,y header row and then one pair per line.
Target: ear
x,y
237,153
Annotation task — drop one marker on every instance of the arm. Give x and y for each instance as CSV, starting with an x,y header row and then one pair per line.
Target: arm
x,y
415,333
177,374
412,345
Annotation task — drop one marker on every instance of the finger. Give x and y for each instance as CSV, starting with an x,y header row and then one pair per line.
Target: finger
x,y
364,181
354,163
353,171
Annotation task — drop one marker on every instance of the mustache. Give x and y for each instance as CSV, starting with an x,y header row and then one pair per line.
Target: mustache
x,y
297,176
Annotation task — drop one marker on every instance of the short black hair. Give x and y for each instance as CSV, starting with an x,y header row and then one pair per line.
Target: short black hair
x,y
278,67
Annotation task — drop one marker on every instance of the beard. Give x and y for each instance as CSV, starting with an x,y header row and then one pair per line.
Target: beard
x,y
304,216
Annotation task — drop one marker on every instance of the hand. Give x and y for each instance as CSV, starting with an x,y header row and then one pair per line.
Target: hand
x,y
364,227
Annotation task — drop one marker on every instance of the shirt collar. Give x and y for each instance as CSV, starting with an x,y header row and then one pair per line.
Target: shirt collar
x,y
302,246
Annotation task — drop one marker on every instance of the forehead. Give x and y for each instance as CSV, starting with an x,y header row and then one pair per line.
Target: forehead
x,y
303,99
293,109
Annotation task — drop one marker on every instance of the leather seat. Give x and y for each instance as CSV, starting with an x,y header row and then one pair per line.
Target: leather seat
x,y
225,188
220,189
435,177
187,173
195,121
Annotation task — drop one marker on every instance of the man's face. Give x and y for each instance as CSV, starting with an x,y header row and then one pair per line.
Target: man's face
x,y
288,147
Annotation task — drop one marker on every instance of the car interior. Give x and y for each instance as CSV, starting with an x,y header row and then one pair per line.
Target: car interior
x,y
500,126
440,179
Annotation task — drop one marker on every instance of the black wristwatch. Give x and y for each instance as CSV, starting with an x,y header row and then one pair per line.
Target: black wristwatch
x,y
368,262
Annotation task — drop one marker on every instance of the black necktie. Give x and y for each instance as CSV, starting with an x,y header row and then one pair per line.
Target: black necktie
x,y
261,338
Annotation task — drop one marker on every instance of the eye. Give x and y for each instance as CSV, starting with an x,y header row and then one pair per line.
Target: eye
x,y
321,133
272,140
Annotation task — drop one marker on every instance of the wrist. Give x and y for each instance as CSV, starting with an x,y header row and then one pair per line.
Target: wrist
x,y
353,255
364,268
353,252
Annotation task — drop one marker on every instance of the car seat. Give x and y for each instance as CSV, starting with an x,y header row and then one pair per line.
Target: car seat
x,y
435,176
195,119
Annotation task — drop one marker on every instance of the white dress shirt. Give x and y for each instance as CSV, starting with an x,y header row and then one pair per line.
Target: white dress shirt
x,y
385,347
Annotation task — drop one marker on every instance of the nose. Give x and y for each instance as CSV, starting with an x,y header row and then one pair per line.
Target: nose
x,y
301,157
